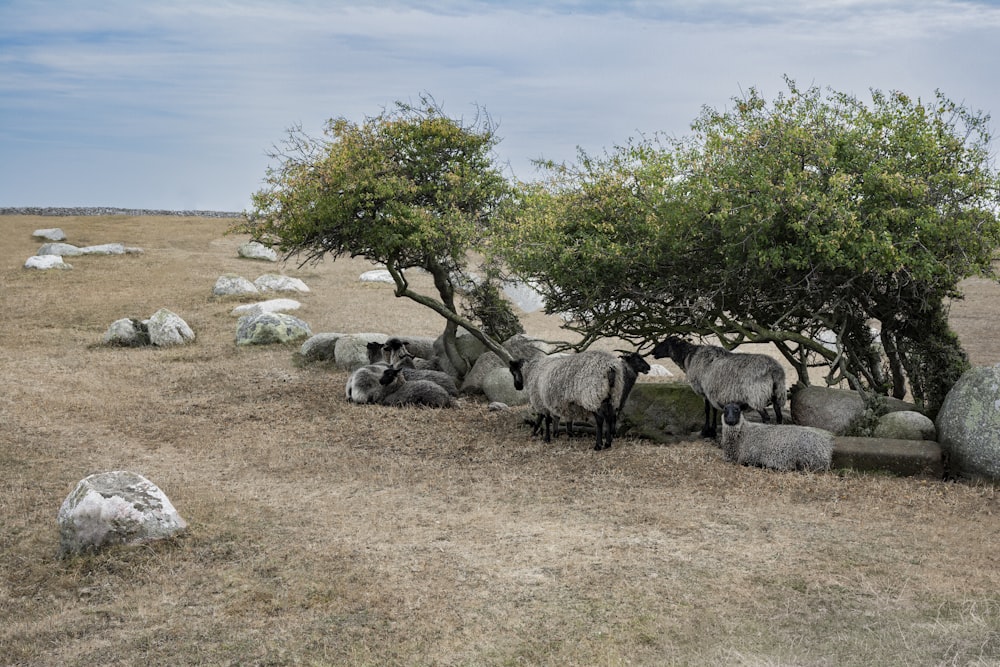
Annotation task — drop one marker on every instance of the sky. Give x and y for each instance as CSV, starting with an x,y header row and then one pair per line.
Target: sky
x,y
176,104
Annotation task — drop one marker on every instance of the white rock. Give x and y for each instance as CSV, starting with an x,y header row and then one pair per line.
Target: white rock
x,y
351,351
272,282
126,332
46,262
167,328
525,296
256,250
320,347
104,249
658,370
61,249
377,276
118,507
231,284
269,306
51,234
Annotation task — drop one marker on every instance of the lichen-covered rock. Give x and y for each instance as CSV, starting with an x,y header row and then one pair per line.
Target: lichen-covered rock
x,y
351,351
273,282
834,410
257,250
968,424
119,507
270,328
321,347
127,332
167,328
231,284
45,262
51,234
269,306
905,425
663,411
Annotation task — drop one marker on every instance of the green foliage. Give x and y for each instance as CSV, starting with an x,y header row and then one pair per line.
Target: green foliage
x,y
772,223
487,305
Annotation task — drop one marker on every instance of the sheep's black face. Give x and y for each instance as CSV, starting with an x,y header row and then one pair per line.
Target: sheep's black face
x,y
515,370
636,362
668,347
388,376
731,414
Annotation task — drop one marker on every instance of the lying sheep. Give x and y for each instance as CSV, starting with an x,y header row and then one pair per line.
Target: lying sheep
x,y
787,447
751,380
398,391
576,387
363,384
447,382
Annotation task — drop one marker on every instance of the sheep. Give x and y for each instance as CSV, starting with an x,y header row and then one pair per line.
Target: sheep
x,y
720,377
447,382
363,384
395,349
787,447
397,391
576,386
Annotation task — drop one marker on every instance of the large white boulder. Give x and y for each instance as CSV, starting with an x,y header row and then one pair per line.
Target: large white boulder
x,y
273,282
905,425
61,249
119,507
257,250
266,328
167,328
45,262
968,424
50,234
376,276
269,306
231,284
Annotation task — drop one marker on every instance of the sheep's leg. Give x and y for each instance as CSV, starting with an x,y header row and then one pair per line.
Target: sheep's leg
x,y
548,428
536,429
599,419
764,417
777,409
711,416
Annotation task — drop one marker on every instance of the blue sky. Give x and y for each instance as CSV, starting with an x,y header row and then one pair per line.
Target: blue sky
x,y
174,104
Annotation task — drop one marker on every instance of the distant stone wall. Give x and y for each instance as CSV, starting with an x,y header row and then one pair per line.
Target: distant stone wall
x,y
105,210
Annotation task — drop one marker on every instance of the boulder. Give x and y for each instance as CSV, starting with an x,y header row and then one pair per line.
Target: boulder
x,y
968,425
268,328
45,262
231,284
105,249
351,350
498,386
898,457
320,347
526,297
469,349
658,370
272,282
257,250
376,276
51,234
519,346
167,328
905,425
269,306
111,508
61,249
127,332
419,346
663,411
834,410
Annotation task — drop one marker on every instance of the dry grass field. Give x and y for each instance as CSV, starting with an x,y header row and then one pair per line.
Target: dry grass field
x,y
323,533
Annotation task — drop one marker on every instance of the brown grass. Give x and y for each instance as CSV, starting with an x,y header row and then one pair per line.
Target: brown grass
x,y
323,533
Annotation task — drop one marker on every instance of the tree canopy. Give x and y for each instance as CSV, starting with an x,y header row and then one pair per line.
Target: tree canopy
x,y
816,222
408,188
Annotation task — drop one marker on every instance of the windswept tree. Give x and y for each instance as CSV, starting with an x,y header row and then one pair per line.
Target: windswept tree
x,y
836,230
409,188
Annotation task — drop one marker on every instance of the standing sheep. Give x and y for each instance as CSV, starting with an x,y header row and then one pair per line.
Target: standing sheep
x,y
721,377
787,447
576,386
397,391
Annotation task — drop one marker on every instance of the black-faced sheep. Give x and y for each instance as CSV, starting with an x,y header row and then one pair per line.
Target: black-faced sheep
x,y
576,387
398,391
396,349
786,447
750,380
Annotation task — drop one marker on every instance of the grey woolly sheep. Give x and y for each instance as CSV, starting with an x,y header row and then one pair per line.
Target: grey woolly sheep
x,y
786,447
446,381
751,380
421,354
576,386
363,384
397,391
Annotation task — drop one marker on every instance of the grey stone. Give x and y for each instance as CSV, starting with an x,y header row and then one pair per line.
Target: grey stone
x,y
257,250
376,276
469,350
351,350
834,410
905,425
269,328
231,284
51,234
269,306
45,262
498,386
899,457
663,411
520,346
273,282
104,249
167,328
968,424
320,347
61,249
127,332
112,508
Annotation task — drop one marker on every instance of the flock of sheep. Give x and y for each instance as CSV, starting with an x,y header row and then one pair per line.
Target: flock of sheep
x,y
594,385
